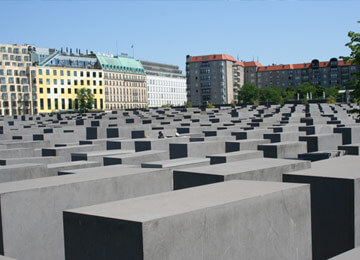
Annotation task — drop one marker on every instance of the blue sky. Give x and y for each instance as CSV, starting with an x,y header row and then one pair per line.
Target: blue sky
x,y
272,31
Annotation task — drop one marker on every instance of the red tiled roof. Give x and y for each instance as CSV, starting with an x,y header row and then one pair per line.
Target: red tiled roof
x,y
322,64
211,58
252,64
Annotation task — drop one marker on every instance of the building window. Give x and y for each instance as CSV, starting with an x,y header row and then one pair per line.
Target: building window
x,y
75,73
49,103
41,90
62,103
48,81
70,103
69,90
48,90
41,103
56,103
62,90
55,90
40,71
54,72
62,82
61,73
48,72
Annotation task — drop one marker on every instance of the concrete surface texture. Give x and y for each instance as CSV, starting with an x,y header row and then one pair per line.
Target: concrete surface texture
x,y
210,222
52,163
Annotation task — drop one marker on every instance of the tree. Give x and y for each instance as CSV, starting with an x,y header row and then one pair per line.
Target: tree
x,y
354,58
304,89
289,93
188,104
248,93
210,105
271,94
86,99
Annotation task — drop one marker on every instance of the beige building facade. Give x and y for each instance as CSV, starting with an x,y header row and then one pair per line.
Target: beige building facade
x,y
17,94
124,83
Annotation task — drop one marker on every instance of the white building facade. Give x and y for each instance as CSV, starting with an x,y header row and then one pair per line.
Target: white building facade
x,y
166,85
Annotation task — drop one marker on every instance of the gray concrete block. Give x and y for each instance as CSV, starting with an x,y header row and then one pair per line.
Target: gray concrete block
x,y
353,254
232,220
322,142
67,150
181,163
98,156
335,204
41,160
350,149
31,210
234,156
55,168
22,172
283,149
350,135
136,158
195,149
263,169
241,145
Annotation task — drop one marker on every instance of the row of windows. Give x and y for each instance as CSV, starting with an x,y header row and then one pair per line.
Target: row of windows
x,y
62,91
123,76
167,90
125,99
166,96
14,96
15,64
74,73
124,106
126,84
70,82
11,80
15,57
11,72
12,88
165,83
71,104
15,50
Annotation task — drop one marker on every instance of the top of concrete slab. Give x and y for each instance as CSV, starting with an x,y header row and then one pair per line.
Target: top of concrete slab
x,y
353,254
177,162
162,205
344,167
82,175
242,166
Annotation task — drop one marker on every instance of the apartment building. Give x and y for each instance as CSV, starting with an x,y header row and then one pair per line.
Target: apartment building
x,y
60,76
318,73
165,84
17,94
213,78
124,82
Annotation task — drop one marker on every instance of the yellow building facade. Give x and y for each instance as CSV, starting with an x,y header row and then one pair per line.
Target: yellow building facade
x,y
57,87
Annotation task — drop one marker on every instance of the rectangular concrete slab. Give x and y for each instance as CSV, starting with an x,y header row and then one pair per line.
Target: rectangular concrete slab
x,y
232,220
178,163
22,172
335,206
136,158
31,210
263,169
353,254
234,156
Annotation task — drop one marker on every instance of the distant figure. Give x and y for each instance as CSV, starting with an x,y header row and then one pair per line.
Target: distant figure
x,y
161,135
